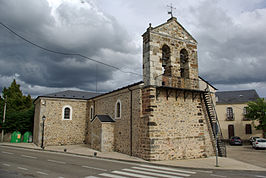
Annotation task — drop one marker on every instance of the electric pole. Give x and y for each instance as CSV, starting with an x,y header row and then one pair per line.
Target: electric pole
x,y
4,118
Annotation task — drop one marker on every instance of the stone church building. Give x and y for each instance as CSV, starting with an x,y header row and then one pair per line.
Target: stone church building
x,y
166,116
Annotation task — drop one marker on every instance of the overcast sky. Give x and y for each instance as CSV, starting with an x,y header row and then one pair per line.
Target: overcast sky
x,y
231,37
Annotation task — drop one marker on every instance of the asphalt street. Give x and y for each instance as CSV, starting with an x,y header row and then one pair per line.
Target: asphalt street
x,y
247,154
19,162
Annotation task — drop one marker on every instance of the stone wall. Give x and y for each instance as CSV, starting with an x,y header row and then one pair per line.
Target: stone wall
x,y
102,135
105,105
107,137
37,119
58,131
178,128
177,38
96,134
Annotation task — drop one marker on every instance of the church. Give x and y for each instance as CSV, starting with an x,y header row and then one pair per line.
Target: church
x,y
169,115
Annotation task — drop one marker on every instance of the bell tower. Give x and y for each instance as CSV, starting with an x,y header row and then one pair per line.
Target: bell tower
x,y
170,56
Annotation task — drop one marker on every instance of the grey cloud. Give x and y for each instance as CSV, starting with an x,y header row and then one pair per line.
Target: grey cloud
x,y
73,27
231,49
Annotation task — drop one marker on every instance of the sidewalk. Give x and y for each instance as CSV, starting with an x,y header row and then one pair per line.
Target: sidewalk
x,y
203,163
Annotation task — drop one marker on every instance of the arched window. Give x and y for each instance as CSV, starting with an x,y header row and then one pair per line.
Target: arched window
x,y
118,109
91,113
184,67
67,113
166,53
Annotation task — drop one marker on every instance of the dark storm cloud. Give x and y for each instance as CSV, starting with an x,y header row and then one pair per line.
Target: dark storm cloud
x,y
72,27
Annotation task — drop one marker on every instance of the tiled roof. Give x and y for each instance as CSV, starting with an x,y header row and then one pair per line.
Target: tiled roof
x,y
103,118
241,96
70,94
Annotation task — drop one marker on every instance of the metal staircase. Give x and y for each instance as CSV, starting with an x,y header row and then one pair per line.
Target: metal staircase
x,y
218,137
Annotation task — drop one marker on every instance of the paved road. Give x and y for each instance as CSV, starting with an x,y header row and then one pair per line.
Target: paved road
x,y
18,162
247,154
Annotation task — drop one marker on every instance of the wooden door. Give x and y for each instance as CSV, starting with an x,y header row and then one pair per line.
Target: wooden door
x,y
231,131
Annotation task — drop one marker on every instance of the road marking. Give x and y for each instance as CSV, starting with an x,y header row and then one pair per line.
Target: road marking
x,y
159,171
111,175
43,173
6,165
215,175
26,156
149,173
168,169
7,153
260,176
54,161
130,174
22,168
94,168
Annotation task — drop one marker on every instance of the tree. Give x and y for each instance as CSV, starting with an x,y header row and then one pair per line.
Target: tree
x,y
257,111
20,109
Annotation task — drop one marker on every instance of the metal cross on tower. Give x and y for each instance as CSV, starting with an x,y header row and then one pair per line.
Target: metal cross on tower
x,y
171,9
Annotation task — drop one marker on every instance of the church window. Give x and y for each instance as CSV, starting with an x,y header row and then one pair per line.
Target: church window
x,y
91,113
184,67
166,60
118,109
67,113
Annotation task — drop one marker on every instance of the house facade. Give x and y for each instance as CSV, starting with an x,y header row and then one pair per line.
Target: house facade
x,y
231,110
165,117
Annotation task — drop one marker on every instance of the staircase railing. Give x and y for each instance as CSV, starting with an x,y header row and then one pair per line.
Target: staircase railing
x,y
214,123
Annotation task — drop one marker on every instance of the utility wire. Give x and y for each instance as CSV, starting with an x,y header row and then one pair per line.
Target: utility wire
x,y
64,53
69,54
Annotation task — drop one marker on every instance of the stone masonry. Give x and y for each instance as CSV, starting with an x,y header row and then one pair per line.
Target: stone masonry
x,y
162,118
176,38
58,131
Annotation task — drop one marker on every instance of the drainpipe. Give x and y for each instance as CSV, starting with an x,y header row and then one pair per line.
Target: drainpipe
x,y
93,108
131,130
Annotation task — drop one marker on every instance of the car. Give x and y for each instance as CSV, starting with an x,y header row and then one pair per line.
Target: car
x,y
252,139
235,141
259,143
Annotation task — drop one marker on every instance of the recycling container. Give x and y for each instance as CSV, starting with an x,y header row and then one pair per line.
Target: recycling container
x,y
26,137
16,137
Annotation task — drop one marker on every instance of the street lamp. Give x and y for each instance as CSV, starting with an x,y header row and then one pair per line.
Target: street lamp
x,y
43,119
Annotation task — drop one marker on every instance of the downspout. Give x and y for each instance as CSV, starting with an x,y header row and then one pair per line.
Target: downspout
x,y
93,108
131,130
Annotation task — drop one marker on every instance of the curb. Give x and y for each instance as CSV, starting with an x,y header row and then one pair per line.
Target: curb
x,y
132,161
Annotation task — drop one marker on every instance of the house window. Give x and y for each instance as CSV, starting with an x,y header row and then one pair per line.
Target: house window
x,y
166,60
118,109
229,113
67,113
184,67
244,114
248,129
91,113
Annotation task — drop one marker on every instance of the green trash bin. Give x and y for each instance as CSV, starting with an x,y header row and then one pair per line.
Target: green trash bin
x,y
16,137
13,137
26,137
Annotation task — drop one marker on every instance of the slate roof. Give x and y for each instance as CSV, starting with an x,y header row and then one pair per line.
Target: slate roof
x,y
71,94
103,118
236,97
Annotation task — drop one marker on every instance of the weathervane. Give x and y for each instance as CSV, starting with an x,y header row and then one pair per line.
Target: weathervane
x,y
171,9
